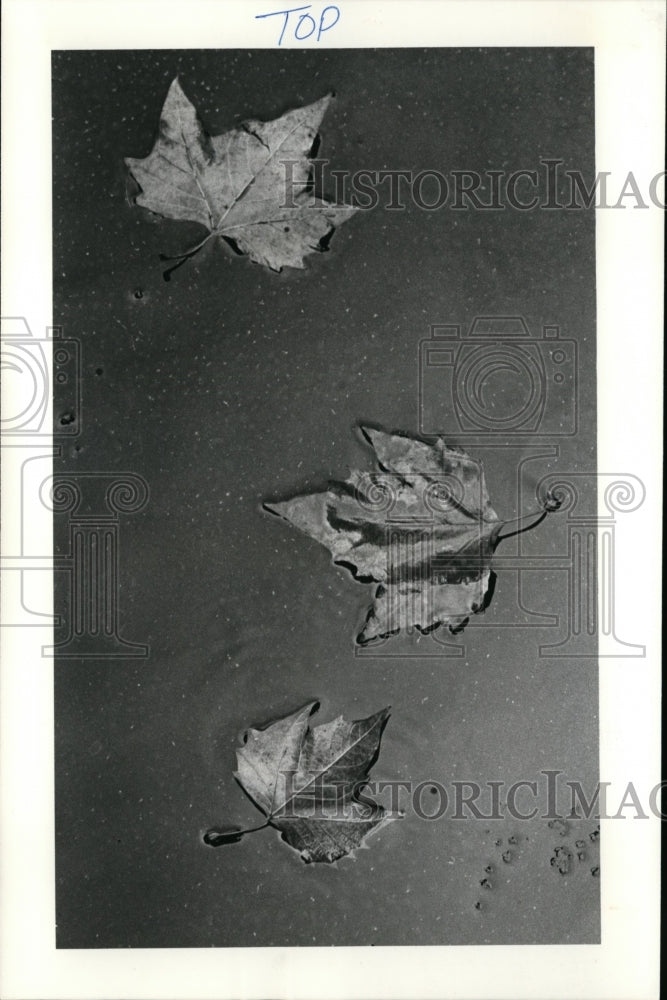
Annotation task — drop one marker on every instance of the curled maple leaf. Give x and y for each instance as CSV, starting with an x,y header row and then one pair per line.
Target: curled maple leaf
x,y
250,186
423,528
308,782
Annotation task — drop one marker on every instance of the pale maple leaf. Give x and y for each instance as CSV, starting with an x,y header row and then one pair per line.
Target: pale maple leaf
x,y
250,185
307,783
423,528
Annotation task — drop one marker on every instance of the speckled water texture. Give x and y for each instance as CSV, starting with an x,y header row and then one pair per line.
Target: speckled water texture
x,y
230,385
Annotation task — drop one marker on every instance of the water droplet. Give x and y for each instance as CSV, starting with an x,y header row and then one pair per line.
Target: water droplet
x,y
561,860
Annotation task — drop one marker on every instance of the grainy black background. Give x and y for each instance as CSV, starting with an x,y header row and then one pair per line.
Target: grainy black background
x,y
230,385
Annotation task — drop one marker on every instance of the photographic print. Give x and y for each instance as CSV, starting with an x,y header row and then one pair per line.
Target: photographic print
x,y
331,488
399,302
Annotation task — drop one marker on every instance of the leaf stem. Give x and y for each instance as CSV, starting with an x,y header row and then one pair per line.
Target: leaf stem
x,y
551,504
182,257
218,838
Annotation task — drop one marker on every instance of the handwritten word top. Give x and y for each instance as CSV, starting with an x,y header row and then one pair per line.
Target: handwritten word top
x,y
301,26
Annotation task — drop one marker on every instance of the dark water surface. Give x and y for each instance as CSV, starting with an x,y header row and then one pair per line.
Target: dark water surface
x,y
231,385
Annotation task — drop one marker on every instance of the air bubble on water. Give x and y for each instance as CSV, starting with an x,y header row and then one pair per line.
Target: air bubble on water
x,y
561,860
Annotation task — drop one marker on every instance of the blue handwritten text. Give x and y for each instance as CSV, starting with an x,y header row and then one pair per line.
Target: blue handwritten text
x,y
304,26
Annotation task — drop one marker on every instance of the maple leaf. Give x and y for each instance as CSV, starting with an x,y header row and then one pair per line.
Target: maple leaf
x,y
250,186
423,529
307,783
